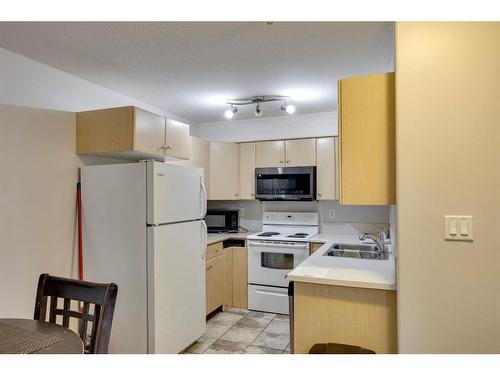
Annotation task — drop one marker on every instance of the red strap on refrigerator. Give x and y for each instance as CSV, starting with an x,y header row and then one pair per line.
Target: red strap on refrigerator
x,y
79,224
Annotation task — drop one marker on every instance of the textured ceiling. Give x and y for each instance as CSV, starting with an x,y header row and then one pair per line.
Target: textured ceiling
x,y
190,68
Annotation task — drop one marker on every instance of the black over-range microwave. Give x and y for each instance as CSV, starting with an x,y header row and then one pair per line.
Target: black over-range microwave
x,y
222,221
285,183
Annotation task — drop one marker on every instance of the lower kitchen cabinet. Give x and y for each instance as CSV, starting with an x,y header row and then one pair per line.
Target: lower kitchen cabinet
x,y
226,277
240,277
346,315
313,246
214,269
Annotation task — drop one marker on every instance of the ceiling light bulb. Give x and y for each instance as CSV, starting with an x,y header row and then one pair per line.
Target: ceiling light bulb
x,y
290,108
230,112
258,111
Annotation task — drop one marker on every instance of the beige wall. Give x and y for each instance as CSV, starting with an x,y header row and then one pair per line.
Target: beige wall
x,y
448,162
38,174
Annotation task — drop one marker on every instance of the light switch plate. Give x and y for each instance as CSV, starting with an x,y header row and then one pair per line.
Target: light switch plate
x,y
331,214
458,228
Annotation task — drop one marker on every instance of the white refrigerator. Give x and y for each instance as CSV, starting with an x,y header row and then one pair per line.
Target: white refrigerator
x,y
143,229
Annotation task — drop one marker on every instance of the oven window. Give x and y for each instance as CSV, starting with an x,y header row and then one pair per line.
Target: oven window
x,y
276,261
287,184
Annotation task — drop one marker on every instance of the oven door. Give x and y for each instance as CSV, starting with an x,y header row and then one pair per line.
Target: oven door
x,y
270,261
289,183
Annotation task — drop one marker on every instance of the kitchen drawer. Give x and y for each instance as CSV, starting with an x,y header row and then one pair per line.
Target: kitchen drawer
x,y
268,298
214,250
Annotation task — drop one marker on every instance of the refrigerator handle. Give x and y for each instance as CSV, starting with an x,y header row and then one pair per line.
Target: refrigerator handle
x,y
204,198
204,240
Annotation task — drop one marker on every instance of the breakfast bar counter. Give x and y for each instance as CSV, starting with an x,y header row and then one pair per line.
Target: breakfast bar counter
x,y
344,299
331,270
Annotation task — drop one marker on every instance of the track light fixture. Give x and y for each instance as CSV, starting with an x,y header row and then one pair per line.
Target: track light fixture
x,y
230,112
258,110
288,108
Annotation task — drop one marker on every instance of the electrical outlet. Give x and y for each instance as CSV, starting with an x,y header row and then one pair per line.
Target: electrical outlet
x,y
331,214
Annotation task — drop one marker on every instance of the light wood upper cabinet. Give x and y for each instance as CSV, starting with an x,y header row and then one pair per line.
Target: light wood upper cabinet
x,y
177,139
214,274
246,171
131,133
199,157
270,154
224,171
149,134
106,130
285,153
367,140
326,171
300,152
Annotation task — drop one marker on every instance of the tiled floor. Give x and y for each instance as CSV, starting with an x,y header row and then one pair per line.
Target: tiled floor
x,y
239,331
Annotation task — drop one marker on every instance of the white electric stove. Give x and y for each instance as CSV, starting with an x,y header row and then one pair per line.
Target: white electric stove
x,y
281,246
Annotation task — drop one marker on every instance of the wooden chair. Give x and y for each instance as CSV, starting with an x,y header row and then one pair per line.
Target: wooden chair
x,y
98,308
336,348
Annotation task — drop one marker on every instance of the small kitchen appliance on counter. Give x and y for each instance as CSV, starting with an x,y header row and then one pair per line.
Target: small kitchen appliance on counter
x,y
222,221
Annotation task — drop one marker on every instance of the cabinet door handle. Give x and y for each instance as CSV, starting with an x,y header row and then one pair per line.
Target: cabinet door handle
x,y
319,194
169,147
281,161
163,147
288,161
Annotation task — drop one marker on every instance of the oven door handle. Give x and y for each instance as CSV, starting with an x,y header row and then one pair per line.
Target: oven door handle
x,y
279,245
272,293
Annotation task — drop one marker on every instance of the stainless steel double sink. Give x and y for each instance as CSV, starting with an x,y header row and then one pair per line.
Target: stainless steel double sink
x,y
357,251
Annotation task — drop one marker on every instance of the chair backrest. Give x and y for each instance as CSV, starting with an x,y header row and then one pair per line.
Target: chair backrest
x,y
98,308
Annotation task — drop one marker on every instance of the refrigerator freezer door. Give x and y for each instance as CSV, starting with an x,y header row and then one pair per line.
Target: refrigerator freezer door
x,y
175,193
176,286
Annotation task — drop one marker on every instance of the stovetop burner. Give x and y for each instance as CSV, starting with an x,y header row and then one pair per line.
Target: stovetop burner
x,y
298,235
268,234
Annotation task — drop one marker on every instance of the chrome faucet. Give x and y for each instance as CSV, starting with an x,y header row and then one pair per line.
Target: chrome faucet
x,y
378,239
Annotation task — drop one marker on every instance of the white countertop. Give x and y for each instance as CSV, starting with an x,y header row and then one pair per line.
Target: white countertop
x,y
218,237
361,273
319,269
339,238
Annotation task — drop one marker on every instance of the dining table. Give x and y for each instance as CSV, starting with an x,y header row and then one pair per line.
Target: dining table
x,y
28,336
